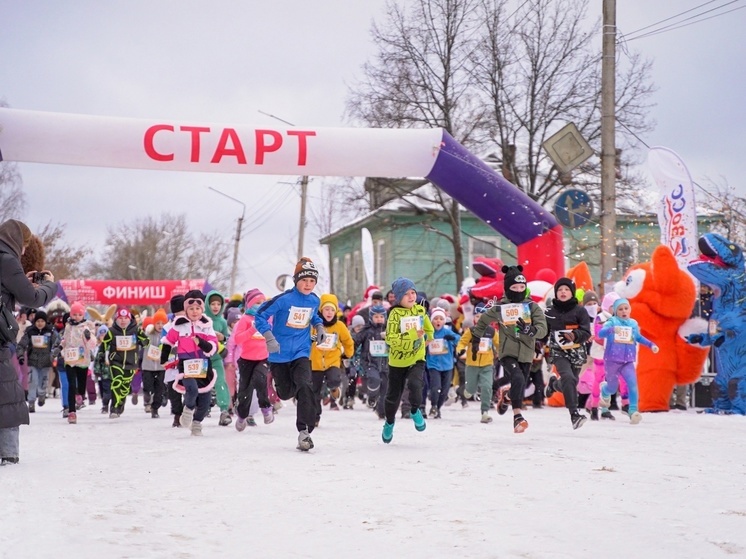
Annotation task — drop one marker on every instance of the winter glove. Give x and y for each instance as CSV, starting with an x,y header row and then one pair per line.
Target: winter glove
x,y
87,334
449,337
568,337
273,345
320,335
695,338
525,328
346,363
204,345
417,344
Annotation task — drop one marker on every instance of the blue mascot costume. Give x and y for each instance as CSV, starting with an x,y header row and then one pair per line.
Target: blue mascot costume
x,y
721,266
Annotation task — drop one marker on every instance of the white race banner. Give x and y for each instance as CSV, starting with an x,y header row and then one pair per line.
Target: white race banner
x,y
677,212
176,145
368,255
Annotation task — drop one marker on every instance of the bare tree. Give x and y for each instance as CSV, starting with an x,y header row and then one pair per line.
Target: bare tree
x,y
163,248
721,198
64,260
537,70
421,77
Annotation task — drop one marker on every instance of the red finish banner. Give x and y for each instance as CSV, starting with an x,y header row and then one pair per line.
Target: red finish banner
x,y
125,293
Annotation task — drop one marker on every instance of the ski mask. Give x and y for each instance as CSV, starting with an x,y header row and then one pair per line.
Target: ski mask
x,y
514,275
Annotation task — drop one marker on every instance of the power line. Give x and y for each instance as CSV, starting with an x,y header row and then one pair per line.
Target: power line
x,y
636,31
681,24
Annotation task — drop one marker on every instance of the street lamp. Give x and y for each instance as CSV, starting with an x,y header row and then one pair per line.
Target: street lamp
x,y
238,237
132,268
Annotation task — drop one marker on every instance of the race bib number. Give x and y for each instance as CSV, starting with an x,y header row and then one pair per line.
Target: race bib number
x,y
73,354
378,348
437,347
154,352
410,322
712,327
125,343
485,345
299,317
330,341
39,341
512,312
562,342
195,368
623,334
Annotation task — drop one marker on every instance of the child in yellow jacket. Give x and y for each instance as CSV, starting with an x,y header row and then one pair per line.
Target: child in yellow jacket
x,y
480,363
326,358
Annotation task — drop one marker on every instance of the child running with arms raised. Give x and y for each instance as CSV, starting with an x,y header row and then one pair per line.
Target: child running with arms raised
x,y
407,331
622,334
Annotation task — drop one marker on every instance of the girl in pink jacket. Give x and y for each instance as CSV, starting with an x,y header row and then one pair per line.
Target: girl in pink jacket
x,y
252,362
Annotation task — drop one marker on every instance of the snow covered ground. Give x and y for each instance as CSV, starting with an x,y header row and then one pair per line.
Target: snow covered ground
x,y
673,486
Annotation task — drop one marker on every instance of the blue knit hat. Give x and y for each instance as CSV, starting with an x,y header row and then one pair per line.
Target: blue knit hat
x,y
617,303
377,309
400,288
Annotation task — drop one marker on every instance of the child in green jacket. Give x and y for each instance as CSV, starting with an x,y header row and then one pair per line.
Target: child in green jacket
x,y
408,330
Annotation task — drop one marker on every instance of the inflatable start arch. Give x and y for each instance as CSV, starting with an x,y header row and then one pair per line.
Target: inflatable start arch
x,y
167,145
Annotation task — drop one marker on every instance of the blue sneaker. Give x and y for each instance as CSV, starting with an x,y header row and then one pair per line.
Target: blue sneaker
x,y
388,432
419,421
604,399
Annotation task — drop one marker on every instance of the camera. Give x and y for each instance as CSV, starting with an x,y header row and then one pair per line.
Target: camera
x,y
38,277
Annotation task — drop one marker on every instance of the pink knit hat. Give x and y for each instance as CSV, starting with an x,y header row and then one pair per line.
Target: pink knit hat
x,y
608,301
77,308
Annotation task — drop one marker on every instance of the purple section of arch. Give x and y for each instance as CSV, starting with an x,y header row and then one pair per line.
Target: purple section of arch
x,y
502,206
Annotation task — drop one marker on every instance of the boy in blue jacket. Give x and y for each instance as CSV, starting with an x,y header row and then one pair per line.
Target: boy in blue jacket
x,y
622,334
439,360
293,313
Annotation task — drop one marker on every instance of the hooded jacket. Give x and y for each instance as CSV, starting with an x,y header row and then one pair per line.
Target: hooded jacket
x,y
293,314
405,348
151,356
37,345
181,335
219,324
440,354
250,343
337,339
76,350
513,344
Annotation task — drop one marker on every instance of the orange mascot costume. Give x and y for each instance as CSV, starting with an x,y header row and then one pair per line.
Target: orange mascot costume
x,y
662,296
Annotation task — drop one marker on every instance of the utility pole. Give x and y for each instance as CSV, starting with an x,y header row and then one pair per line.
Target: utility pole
x,y
302,226
608,144
234,268
303,196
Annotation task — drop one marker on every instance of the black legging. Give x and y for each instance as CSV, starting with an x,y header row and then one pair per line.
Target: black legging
x,y
252,376
398,376
152,383
569,377
76,379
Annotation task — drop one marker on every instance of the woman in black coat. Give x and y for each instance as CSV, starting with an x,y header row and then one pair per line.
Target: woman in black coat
x,y
16,287
569,330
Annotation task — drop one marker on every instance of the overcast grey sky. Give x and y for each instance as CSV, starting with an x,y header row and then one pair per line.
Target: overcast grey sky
x,y
225,61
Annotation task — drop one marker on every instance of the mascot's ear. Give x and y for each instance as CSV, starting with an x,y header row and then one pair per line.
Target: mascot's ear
x,y
519,268
94,314
506,268
109,314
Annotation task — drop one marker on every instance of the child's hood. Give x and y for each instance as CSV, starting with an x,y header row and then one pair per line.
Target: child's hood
x,y
208,310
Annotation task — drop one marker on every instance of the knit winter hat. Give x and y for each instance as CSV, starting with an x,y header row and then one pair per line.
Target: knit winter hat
x,y
160,316
437,311
377,309
513,275
608,301
176,303
619,302
566,282
252,297
329,300
590,297
194,294
400,288
357,320
77,308
123,313
41,315
232,316
305,268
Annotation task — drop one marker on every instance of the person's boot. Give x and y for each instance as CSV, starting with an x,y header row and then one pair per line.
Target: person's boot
x,y
225,419
269,417
419,421
72,417
594,414
240,424
519,424
32,407
388,432
186,417
196,428
305,443
606,414
578,419
177,420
